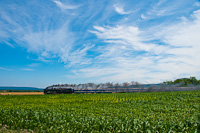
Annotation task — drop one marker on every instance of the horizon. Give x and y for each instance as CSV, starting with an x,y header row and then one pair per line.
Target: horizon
x,y
70,42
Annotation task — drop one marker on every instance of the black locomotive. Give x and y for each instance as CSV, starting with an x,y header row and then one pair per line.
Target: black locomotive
x,y
58,90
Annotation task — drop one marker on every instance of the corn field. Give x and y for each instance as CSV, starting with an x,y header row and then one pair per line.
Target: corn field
x,y
120,112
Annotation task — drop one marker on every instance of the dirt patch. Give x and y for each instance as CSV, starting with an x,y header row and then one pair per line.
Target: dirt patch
x,y
4,129
22,93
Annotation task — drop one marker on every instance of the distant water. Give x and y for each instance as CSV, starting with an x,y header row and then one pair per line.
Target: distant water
x,y
19,88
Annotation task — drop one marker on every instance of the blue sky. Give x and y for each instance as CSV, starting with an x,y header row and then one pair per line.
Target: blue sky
x,y
74,41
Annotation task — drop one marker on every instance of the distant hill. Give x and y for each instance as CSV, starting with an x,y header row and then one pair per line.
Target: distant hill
x,y
20,88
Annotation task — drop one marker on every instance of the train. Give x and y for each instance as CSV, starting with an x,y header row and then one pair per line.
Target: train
x,y
58,90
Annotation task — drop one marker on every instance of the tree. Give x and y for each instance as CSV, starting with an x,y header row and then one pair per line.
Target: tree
x,y
194,80
91,85
125,85
98,86
133,82
183,82
109,84
116,85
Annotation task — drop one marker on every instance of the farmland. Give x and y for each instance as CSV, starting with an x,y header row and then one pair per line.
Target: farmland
x,y
119,112
21,93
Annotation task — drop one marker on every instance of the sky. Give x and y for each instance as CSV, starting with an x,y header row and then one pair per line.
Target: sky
x,y
46,42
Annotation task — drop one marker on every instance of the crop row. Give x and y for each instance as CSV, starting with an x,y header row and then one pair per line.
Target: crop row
x,y
121,112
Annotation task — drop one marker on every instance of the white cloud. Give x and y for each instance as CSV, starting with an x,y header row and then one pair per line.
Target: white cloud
x,y
162,8
129,57
143,16
126,35
7,69
197,4
120,10
49,43
28,69
34,65
185,38
78,56
57,43
64,6
44,31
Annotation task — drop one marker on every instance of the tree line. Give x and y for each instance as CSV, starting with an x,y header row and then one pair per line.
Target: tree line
x,y
192,81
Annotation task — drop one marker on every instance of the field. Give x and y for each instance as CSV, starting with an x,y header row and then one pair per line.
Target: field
x,y
21,93
119,112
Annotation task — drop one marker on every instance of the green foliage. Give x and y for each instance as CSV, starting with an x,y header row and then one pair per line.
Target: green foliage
x,y
184,81
120,112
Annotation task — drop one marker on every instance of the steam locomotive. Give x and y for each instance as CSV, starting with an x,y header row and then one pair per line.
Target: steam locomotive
x,y
59,90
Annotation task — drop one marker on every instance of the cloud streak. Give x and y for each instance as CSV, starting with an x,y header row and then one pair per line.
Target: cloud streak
x,y
131,55
64,6
6,69
120,10
45,33
28,69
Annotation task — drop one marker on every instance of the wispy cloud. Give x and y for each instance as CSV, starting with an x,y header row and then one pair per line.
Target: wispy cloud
x,y
34,65
184,37
197,4
164,8
120,10
48,34
143,16
78,56
64,6
28,69
129,56
128,36
7,69
51,43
